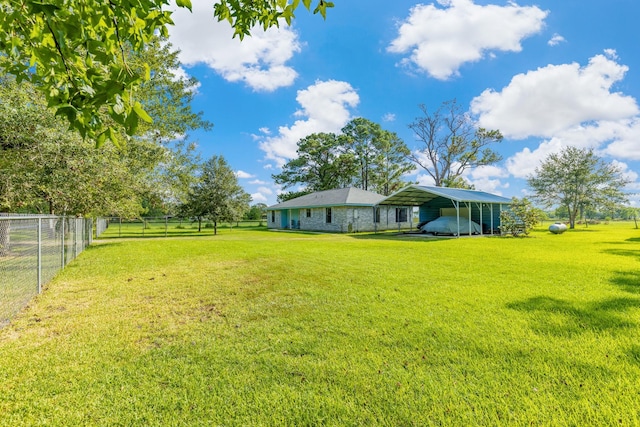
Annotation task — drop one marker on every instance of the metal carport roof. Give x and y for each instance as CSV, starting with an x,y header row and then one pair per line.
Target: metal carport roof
x,y
416,195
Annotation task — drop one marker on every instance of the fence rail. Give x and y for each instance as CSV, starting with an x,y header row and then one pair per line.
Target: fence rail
x,y
33,248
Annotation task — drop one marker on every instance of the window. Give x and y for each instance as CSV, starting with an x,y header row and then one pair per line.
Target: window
x,y
308,213
273,216
328,211
376,215
401,214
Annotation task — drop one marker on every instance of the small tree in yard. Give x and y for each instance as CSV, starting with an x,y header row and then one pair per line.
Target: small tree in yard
x,y
578,180
520,219
217,196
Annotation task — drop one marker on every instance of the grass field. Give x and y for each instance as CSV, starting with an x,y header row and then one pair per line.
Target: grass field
x,y
262,328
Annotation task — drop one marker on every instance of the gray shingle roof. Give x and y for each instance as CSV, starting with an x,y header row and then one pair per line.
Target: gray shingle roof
x,y
340,197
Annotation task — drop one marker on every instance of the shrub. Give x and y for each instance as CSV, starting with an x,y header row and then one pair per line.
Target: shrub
x,y
520,219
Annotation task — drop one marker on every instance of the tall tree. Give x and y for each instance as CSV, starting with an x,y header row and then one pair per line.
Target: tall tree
x,y
578,179
217,196
391,163
46,168
320,165
381,157
364,156
451,143
73,51
361,137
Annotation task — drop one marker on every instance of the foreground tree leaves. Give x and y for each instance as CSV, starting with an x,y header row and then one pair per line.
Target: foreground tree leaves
x,y
73,51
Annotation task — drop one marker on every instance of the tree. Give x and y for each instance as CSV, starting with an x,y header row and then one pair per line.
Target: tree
x,y
256,212
217,196
380,156
46,168
283,197
364,156
73,51
391,163
451,144
520,218
578,180
320,164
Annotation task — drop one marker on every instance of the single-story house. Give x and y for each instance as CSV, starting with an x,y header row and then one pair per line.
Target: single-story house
x,y
465,205
343,210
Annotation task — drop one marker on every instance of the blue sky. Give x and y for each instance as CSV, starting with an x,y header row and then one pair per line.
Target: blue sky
x,y
546,73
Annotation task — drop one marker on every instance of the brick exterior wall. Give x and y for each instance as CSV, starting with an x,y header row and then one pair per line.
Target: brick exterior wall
x,y
344,219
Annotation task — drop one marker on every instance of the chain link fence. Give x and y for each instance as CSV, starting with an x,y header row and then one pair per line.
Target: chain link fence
x,y
166,226
33,248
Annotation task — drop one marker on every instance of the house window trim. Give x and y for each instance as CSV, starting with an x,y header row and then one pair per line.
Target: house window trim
x,y
328,215
308,213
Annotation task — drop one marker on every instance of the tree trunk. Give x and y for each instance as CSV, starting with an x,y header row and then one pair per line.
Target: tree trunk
x,y
215,228
572,217
199,224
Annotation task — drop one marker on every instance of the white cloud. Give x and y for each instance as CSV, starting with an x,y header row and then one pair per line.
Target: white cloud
x,y
389,117
626,135
258,198
425,179
258,182
556,98
244,175
524,163
625,171
259,61
556,40
442,39
325,107
265,190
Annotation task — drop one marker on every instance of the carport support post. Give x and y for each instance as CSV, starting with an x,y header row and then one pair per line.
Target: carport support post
x,y
491,209
469,206
457,205
480,207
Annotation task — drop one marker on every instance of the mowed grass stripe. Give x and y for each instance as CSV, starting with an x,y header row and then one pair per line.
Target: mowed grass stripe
x,y
260,328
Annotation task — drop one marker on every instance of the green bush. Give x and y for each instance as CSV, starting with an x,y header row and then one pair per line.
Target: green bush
x,y
520,219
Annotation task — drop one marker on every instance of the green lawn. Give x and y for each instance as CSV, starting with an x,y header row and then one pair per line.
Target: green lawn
x,y
262,328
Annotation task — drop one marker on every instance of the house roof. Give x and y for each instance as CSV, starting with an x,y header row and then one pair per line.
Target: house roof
x,y
416,195
340,197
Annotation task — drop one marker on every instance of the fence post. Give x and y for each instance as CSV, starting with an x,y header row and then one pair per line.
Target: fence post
x,y
75,238
39,255
63,242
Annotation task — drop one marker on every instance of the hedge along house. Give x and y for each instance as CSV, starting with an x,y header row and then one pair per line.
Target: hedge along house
x,y
344,210
465,205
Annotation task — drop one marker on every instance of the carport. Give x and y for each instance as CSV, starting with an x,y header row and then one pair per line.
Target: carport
x,y
466,205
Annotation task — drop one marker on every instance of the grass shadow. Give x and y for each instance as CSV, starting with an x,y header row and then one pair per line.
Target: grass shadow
x,y
623,252
405,237
557,317
628,281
